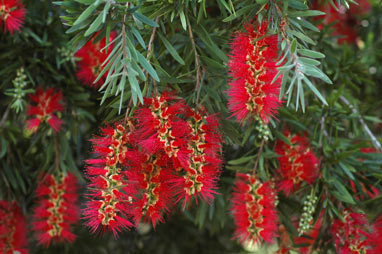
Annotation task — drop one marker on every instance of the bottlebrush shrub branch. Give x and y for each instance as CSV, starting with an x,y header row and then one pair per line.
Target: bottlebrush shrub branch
x,y
171,154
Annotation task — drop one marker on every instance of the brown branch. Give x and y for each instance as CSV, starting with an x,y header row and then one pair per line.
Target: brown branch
x,y
124,52
149,51
57,152
364,125
258,156
125,56
322,123
128,109
197,63
152,37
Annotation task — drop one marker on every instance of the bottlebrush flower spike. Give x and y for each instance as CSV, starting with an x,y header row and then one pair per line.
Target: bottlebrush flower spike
x,y
47,103
298,163
107,207
149,186
252,66
253,208
91,59
161,129
57,211
351,235
12,229
12,15
375,239
199,177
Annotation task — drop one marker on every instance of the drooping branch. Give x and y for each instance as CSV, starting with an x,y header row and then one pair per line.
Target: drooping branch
x,y
152,37
56,149
197,63
364,125
124,44
149,51
258,155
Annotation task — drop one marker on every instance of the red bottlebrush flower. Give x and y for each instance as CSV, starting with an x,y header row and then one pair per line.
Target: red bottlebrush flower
x,y
346,20
369,150
149,186
91,60
351,235
370,190
298,163
12,229
12,15
252,66
199,176
47,103
107,207
375,238
253,208
160,128
57,211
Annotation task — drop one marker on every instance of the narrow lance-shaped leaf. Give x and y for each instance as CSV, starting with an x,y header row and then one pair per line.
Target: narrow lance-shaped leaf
x,y
171,50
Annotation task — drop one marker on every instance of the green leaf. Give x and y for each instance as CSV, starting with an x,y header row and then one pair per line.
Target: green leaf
x,y
281,136
183,20
138,36
130,46
122,89
171,50
300,91
308,25
302,37
314,90
135,89
310,53
293,45
307,13
84,15
241,160
20,181
309,61
3,150
286,67
10,176
147,66
276,76
311,70
342,193
210,44
211,62
145,19
95,25
105,11
87,2
239,13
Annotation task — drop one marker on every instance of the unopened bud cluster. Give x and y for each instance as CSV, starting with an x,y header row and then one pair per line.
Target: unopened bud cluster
x,y
262,129
18,91
307,215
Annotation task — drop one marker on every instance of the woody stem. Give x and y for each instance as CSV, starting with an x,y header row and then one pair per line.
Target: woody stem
x,y
57,152
258,156
149,51
197,64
